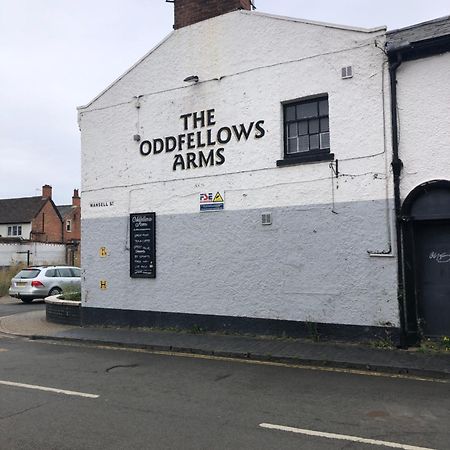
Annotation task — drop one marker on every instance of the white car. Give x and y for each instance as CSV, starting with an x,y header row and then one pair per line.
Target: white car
x,y
41,282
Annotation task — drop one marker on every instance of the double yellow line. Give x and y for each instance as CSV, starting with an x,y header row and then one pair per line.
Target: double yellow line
x,y
367,373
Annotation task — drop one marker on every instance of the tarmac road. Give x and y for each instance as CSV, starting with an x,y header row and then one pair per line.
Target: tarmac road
x,y
124,399
10,306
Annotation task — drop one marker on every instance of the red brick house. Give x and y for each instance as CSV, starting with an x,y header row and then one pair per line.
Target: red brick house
x,y
70,216
39,219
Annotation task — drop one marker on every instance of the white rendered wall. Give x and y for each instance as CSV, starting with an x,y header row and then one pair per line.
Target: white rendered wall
x,y
424,108
26,230
279,60
248,65
41,253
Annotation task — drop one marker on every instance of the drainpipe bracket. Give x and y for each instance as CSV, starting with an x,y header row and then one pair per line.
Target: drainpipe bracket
x,y
397,166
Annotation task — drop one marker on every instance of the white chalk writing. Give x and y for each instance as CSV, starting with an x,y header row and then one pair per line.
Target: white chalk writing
x,y
440,258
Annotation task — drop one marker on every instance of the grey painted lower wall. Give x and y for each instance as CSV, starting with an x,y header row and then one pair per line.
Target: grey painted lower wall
x,y
311,265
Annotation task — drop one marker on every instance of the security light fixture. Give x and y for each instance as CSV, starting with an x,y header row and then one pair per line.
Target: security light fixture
x,y
191,79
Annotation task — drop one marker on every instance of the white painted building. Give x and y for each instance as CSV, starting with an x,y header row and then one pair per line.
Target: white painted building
x,y
306,234
420,65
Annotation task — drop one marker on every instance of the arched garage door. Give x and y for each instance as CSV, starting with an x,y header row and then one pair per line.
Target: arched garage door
x,y
426,239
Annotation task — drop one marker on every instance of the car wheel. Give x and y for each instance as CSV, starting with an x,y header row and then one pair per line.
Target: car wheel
x,y
26,299
54,291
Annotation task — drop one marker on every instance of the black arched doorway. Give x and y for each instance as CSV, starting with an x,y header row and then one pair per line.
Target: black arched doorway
x,y
426,240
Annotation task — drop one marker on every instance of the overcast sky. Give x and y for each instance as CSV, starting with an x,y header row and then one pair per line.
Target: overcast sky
x,y
58,54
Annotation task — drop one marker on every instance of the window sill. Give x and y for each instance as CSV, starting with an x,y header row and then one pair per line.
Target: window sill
x,y
305,159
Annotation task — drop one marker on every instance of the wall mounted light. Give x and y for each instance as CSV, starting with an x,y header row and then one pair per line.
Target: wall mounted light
x,y
191,79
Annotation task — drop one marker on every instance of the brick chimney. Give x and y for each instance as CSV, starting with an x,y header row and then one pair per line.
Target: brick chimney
x,y
47,191
188,12
75,198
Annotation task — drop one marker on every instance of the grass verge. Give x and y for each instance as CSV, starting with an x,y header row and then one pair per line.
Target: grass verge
x,y
5,277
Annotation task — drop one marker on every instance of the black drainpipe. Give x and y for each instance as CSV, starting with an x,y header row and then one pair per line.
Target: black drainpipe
x,y
397,166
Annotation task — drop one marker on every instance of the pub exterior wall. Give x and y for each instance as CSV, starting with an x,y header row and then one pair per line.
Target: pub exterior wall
x,y
424,104
313,263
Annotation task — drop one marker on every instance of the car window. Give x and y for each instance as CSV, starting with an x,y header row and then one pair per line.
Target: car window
x,y
28,273
50,273
76,272
64,272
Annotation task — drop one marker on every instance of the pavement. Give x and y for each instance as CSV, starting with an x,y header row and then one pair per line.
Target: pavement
x,y
412,362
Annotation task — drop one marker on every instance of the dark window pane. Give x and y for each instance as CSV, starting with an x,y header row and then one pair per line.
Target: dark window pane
x,y
325,140
314,142
324,124
303,127
306,110
314,126
50,273
323,107
303,143
290,113
292,145
292,130
64,272
28,273
307,126
76,272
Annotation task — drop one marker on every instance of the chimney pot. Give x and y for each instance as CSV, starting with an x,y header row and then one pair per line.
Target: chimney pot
x,y
188,12
76,201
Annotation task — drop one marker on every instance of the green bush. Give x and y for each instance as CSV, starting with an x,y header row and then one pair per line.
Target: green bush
x,y
72,296
5,277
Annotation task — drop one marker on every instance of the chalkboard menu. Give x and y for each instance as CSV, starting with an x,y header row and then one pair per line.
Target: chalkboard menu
x,y
142,245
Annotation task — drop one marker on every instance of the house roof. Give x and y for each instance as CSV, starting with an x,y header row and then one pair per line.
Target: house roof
x,y
64,210
20,210
425,31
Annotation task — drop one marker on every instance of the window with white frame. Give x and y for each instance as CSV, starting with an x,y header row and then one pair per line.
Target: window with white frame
x,y
68,226
14,230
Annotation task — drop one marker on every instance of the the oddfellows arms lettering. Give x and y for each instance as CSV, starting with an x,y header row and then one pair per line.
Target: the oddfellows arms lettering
x,y
202,135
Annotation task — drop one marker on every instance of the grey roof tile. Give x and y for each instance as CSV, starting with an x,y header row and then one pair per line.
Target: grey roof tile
x,y
421,32
64,210
20,210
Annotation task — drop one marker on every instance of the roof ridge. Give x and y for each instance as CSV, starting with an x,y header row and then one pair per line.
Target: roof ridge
x,y
22,198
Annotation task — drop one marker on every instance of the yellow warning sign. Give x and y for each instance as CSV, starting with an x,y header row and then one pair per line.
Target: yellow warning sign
x,y
103,252
103,284
211,202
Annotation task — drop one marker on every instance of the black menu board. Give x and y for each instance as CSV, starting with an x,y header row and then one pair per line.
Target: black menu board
x,y
142,245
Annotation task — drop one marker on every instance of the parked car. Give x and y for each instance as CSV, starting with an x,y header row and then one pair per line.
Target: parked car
x,y
41,282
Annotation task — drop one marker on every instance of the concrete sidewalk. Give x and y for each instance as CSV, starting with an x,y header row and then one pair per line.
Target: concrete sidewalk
x,y
293,351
